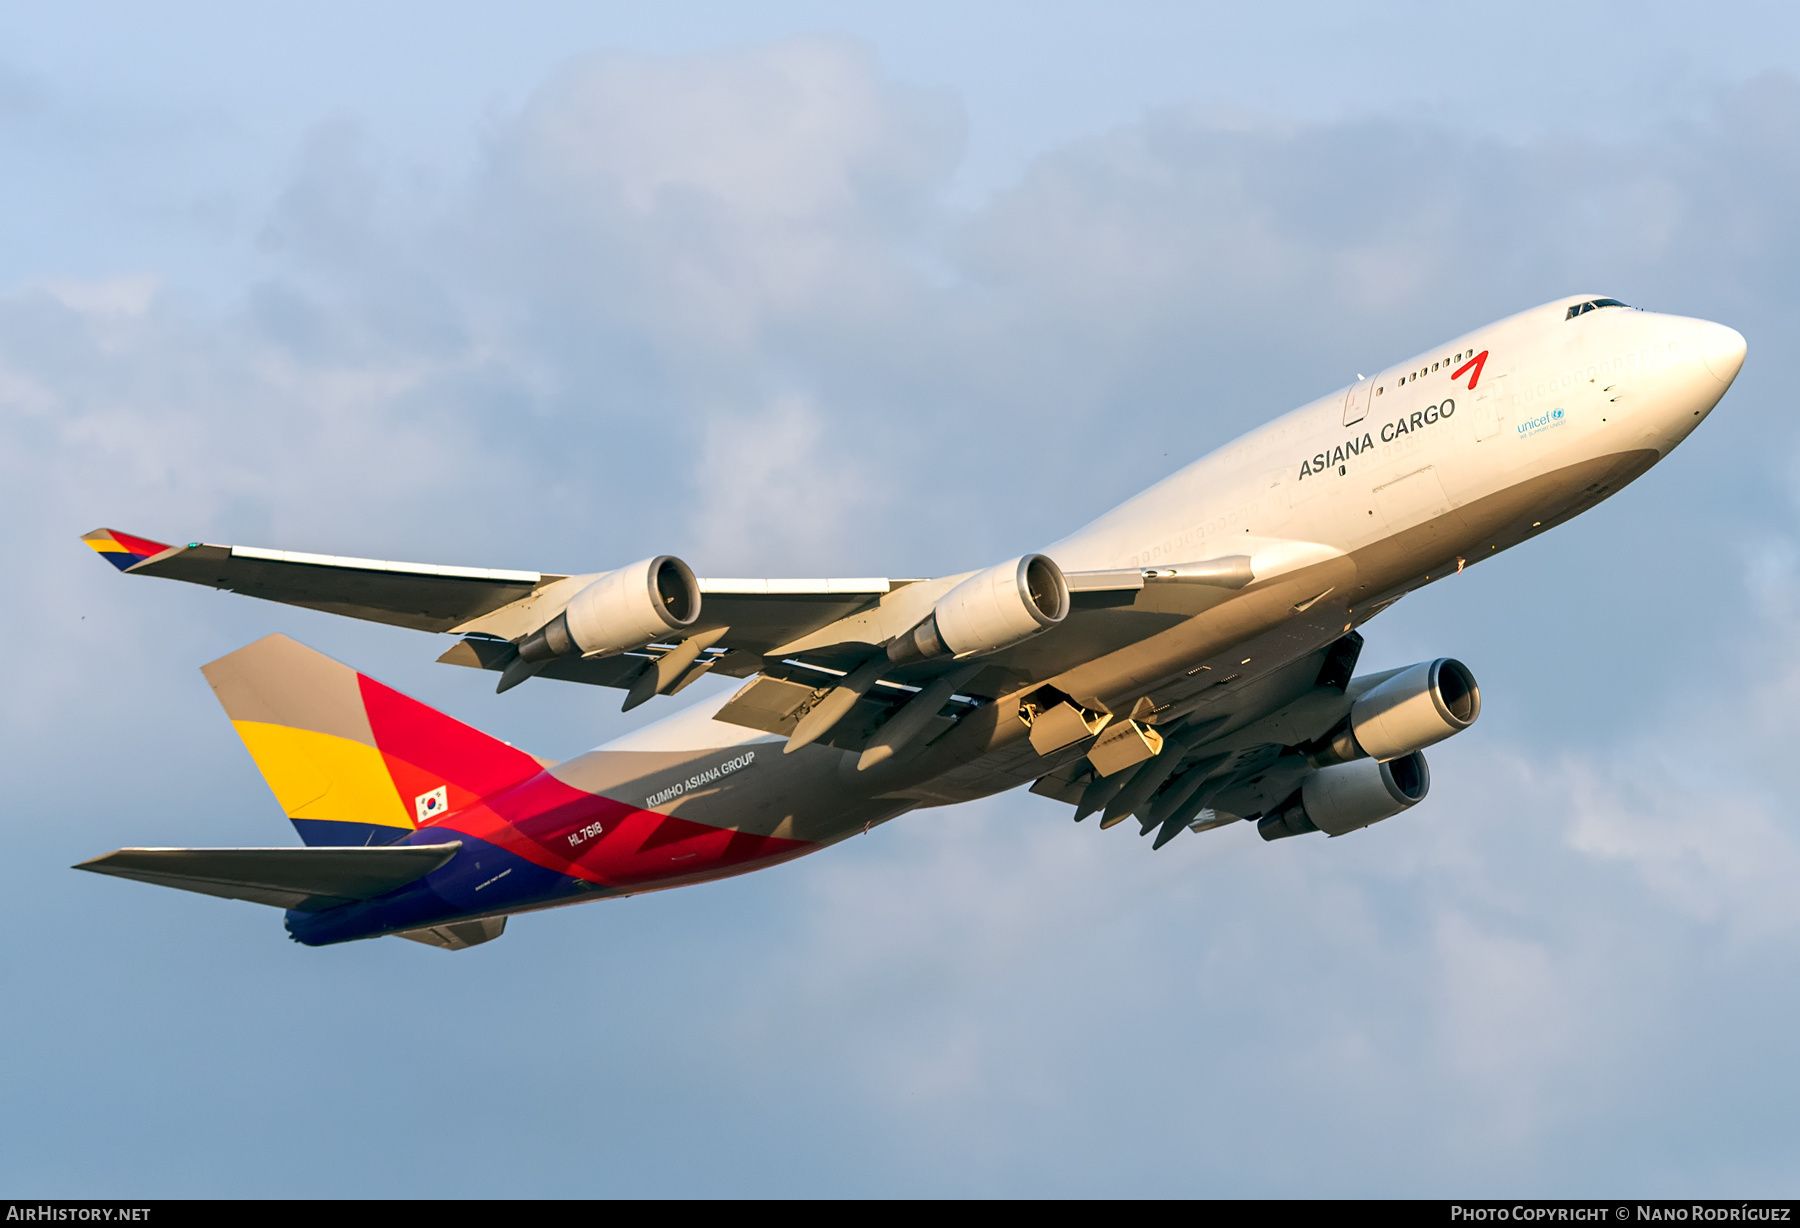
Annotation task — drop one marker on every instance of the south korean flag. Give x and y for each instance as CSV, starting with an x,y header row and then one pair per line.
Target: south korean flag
x,y
430,805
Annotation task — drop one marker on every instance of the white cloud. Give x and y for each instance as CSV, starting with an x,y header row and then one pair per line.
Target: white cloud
x,y
717,198
769,488
793,132
111,296
1715,849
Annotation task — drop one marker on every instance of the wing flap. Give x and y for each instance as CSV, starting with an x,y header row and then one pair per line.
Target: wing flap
x,y
772,705
775,705
480,653
459,935
308,879
756,617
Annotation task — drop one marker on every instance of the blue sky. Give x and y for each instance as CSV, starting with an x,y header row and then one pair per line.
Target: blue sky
x,y
839,289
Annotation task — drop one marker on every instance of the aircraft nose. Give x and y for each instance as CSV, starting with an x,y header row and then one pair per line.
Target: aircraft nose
x,y
1722,350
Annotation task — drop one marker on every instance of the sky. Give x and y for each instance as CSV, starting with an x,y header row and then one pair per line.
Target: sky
x,y
827,289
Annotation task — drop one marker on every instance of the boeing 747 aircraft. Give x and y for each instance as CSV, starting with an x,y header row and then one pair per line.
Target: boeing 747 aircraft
x,y
1187,661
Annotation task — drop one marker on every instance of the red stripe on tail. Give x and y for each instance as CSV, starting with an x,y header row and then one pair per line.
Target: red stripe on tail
x,y
425,749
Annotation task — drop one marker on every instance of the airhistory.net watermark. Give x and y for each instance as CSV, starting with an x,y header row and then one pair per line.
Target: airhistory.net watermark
x,y
62,1213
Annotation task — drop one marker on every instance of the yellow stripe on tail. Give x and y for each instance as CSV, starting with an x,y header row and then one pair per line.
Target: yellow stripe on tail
x,y
322,778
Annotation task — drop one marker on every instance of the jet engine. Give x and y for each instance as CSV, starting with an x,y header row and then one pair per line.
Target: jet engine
x,y
1005,605
1346,796
623,609
1421,705
1409,710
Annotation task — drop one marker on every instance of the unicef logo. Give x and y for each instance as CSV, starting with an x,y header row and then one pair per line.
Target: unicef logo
x,y
1541,423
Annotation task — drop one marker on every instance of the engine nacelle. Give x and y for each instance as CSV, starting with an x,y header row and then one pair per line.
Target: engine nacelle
x,y
1346,796
623,609
1005,605
1421,705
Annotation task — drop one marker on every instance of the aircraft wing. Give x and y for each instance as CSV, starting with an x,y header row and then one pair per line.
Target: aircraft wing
x,y
308,879
488,603
806,632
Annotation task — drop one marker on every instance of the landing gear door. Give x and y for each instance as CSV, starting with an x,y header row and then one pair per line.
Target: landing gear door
x,y
1356,402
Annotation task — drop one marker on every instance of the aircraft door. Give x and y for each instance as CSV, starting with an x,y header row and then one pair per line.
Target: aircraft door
x,y
1356,402
1490,408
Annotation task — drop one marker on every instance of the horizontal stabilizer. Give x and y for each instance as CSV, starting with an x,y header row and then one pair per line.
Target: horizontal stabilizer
x,y
308,879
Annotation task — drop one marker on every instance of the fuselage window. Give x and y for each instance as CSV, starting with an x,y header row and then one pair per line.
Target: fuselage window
x,y
1434,366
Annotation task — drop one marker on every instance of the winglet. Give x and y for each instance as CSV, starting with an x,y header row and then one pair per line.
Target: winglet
x,y
122,550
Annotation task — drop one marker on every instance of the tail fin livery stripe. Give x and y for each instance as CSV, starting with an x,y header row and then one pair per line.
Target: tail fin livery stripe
x,y
276,681
122,550
555,826
321,778
426,752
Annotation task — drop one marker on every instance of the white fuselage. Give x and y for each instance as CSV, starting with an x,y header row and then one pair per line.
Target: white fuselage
x,y
1552,392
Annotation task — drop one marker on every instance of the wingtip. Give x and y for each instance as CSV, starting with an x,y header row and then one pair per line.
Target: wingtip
x,y
97,865
123,550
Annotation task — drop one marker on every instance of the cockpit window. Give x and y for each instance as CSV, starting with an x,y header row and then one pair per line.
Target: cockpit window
x,y
1592,304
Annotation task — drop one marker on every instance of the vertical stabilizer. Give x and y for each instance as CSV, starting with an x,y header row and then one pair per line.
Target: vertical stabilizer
x,y
353,762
